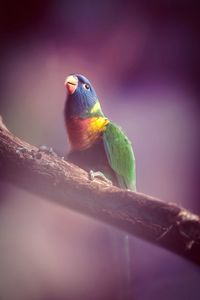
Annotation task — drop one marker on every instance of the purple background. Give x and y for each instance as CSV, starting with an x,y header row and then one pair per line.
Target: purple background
x,y
143,60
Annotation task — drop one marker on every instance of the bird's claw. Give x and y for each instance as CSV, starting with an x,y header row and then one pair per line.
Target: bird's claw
x,y
48,150
98,174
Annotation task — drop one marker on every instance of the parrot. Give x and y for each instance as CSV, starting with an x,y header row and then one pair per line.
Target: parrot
x,y
100,147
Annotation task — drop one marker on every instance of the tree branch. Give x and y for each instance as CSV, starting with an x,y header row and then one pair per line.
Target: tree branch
x,y
164,224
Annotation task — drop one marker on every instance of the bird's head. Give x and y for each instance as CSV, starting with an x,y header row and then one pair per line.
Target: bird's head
x,y
81,97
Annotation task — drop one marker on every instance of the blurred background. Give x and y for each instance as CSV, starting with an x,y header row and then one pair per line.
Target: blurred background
x,y
143,59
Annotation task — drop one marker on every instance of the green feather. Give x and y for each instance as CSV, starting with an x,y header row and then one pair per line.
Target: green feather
x,y
120,156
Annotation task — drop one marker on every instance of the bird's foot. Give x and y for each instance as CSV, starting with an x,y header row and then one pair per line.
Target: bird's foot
x,y
98,174
47,150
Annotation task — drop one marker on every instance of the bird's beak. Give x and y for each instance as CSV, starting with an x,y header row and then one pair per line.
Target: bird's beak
x,y
71,83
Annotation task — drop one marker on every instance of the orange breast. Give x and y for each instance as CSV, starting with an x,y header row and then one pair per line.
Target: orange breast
x,y
84,132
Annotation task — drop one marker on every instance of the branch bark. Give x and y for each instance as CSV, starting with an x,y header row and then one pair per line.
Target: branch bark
x,y
165,224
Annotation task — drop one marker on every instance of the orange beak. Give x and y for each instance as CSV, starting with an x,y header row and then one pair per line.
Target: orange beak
x,y
71,83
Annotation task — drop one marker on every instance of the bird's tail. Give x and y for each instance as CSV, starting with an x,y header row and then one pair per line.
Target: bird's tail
x,y
120,244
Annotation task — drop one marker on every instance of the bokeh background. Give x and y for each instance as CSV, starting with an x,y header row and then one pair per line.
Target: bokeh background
x,y
143,59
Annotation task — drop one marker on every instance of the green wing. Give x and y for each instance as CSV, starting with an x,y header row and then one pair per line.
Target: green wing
x,y
120,156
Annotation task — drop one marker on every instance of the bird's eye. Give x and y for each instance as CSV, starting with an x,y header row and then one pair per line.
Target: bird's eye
x,y
86,86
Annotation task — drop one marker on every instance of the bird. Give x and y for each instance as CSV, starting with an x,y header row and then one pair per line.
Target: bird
x,y
97,144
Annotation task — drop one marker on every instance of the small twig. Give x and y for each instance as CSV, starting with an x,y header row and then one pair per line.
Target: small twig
x,y
164,224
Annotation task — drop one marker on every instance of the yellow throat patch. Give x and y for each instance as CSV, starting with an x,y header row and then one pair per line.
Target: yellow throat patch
x,y
97,125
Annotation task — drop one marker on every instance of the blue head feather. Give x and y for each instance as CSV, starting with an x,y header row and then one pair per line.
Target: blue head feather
x,y
82,100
